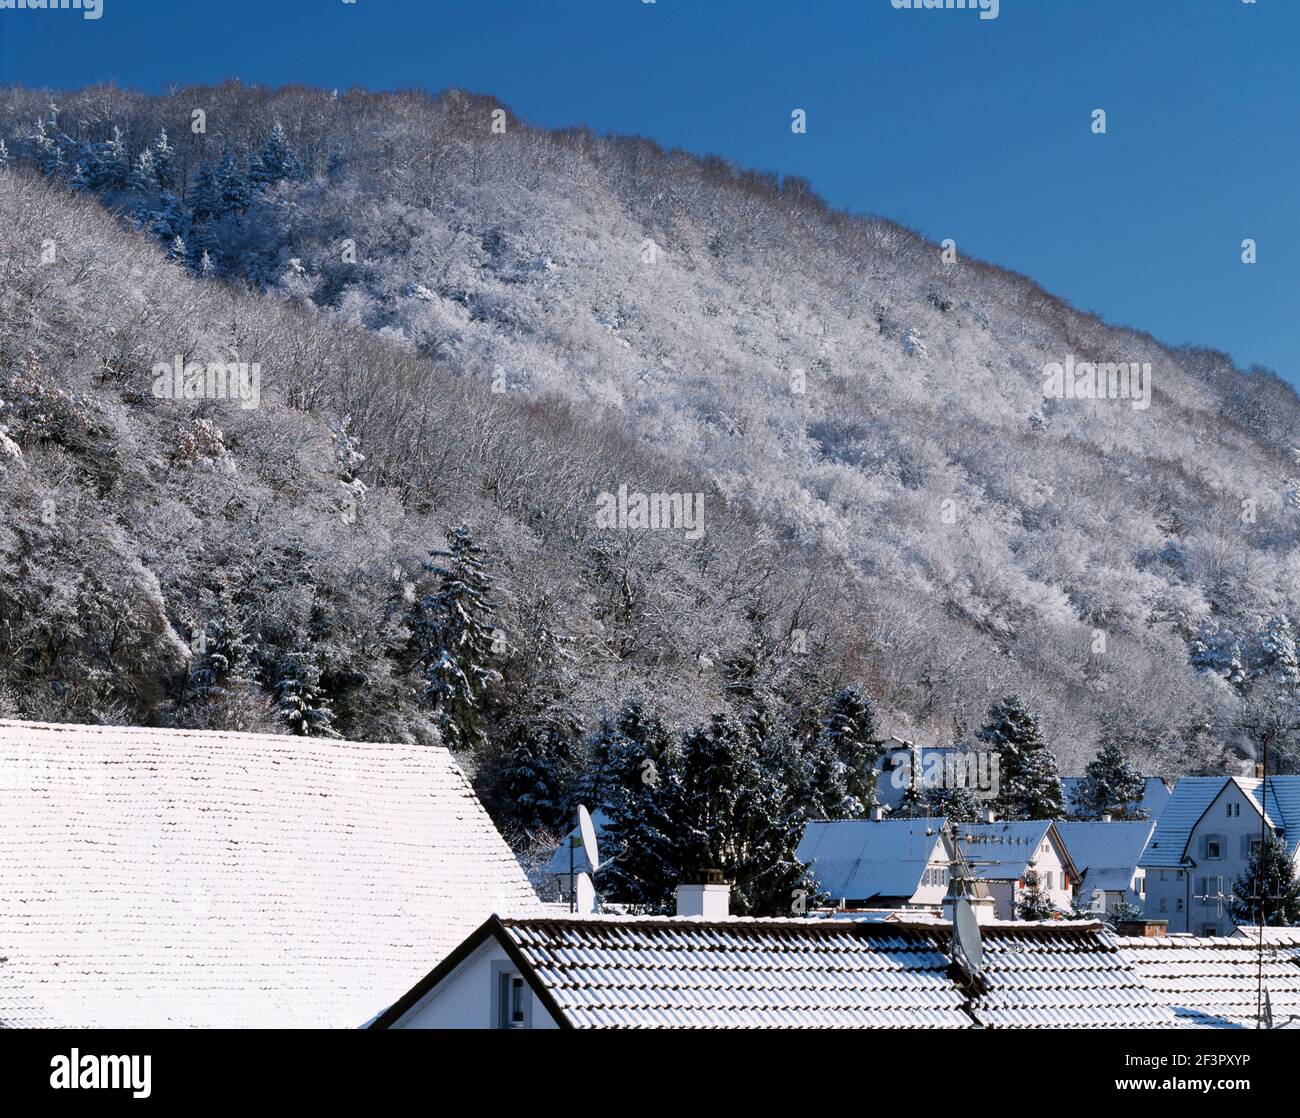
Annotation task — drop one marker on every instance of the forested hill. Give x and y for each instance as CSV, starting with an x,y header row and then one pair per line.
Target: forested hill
x,y
462,320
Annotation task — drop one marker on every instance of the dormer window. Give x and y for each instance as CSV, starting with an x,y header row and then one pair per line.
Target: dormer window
x,y
512,1008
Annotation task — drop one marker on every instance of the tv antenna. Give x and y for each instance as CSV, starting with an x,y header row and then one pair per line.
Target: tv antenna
x,y
967,943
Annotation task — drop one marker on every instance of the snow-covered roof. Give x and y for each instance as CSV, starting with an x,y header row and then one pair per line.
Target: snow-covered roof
x,y
1155,795
156,878
858,861
673,972
1106,853
1193,795
1213,983
1002,851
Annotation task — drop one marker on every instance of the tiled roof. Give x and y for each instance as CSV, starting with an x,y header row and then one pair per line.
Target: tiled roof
x,y
603,972
1001,851
1105,853
156,878
1213,982
861,860
1194,794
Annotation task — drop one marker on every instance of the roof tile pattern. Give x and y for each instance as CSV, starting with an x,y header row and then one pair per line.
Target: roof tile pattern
x,y
156,878
639,972
1214,982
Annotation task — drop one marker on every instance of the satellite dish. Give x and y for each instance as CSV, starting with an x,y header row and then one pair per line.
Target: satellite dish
x,y
588,833
967,944
584,893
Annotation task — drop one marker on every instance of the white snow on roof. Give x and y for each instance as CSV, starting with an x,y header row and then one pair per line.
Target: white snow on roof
x,y
157,878
859,860
1106,853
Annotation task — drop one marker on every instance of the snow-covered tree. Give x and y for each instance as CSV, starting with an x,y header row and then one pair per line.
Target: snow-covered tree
x,y
842,758
452,637
233,194
275,162
164,162
300,700
1033,902
144,176
533,783
1111,785
1268,892
1035,791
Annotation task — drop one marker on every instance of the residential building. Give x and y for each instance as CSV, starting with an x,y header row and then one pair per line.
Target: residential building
x,y
1107,855
1203,842
893,863
1002,854
174,878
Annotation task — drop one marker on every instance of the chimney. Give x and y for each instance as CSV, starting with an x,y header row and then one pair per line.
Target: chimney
x,y
1106,817
1259,770
1148,929
877,813
990,816
711,899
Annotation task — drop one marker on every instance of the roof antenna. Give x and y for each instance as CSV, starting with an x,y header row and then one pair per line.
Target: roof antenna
x,y
582,893
967,944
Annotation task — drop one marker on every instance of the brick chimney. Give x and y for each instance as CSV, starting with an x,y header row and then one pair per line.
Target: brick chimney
x,y
1259,770
877,813
1148,929
711,899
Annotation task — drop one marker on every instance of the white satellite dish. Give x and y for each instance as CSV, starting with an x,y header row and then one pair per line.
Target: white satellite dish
x,y
588,833
584,894
969,947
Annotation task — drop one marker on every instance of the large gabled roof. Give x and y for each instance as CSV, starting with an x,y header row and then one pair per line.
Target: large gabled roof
x,y
1193,796
673,972
860,860
1106,853
156,878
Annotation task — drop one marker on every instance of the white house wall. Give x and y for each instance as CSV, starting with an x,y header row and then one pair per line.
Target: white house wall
x,y
465,998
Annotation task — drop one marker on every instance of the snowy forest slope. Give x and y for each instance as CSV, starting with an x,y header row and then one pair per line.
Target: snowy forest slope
x,y
518,320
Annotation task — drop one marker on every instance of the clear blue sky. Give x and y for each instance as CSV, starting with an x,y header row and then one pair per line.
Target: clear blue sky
x,y
959,127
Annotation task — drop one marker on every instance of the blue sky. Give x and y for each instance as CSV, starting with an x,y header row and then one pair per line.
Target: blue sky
x,y
959,127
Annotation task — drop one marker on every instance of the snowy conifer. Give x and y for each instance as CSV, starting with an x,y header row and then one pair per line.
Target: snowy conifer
x,y
1111,784
1268,892
275,162
300,700
1033,902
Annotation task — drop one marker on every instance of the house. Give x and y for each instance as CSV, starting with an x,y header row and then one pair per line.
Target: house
x,y
893,863
173,878
1002,854
1107,854
693,972
1203,841
1155,795
1218,983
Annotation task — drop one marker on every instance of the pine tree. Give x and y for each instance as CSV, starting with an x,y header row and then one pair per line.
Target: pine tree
x,y
1274,660
1026,785
534,777
46,153
275,162
164,162
205,195
299,698
1035,791
1268,892
844,755
957,804
1112,785
1034,903
452,637
110,166
144,176
230,185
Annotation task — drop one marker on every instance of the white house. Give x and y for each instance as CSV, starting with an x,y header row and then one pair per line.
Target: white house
x,y
1002,854
171,878
1203,841
1107,854
892,863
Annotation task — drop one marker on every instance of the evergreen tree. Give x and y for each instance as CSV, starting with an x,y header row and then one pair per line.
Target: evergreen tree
x,y
46,153
535,774
957,804
1029,782
110,167
164,163
205,195
1268,892
1035,791
641,847
233,194
1111,785
843,757
452,637
300,699
1034,903
1121,910
144,176
275,162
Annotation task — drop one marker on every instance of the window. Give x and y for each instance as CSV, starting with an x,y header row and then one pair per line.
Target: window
x,y
513,1008
1164,904
1047,880
1234,811
1254,847
1179,906
1209,930
1213,847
